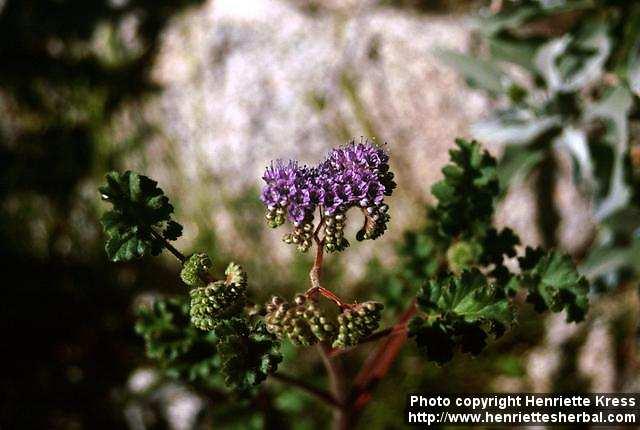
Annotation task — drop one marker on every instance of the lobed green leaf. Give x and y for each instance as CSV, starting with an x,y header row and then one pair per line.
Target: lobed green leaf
x,y
248,352
139,219
459,312
554,283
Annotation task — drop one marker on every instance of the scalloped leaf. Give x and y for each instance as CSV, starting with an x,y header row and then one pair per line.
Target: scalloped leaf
x,y
460,313
468,297
554,283
140,211
248,352
467,192
179,348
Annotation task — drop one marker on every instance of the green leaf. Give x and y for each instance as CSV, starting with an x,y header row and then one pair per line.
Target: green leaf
x,y
514,16
432,339
634,77
608,259
574,142
468,297
240,350
571,63
520,52
626,58
181,350
496,245
508,19
140,209
460,312
514,126
531,257
422,252
172,231
624,222
554,283
467,192
248,352
615,253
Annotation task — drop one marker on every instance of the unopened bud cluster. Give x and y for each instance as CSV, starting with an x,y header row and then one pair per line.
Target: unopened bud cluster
x,y
212,301
320,325
303,323
291,320
356,323
275,216
195,270
462,255
334,232
236,275
301,236
376,219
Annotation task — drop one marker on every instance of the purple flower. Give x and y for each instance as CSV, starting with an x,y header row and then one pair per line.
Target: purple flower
x,y
287,187
354,175
280,179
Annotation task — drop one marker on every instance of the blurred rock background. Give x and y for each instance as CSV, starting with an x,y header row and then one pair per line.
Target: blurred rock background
x,y
201,95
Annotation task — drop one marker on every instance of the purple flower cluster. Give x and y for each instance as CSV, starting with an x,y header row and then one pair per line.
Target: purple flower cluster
x,y
355,175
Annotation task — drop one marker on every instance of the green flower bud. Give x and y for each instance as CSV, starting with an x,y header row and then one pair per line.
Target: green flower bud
x,y
217,301
195,270
356,323
235,274
302,323
275,217
375,223
334,232
301,236
462,255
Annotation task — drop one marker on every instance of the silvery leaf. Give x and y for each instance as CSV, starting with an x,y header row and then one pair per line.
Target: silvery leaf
x,y
615,108
548,57
513,126
574,141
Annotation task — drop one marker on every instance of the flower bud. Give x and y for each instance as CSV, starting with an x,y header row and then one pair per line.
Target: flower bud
x,y
302,324
356,323
462,255
195,270
215,302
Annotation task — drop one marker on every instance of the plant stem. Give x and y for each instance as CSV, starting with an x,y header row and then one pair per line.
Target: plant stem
x,y
313,291
314,277
379,362
179,255
314,273
206,277
335,371
318,393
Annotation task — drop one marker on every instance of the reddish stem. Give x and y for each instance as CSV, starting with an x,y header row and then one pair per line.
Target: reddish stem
x,y
335,371
379,362
314,277
313,291
314,273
